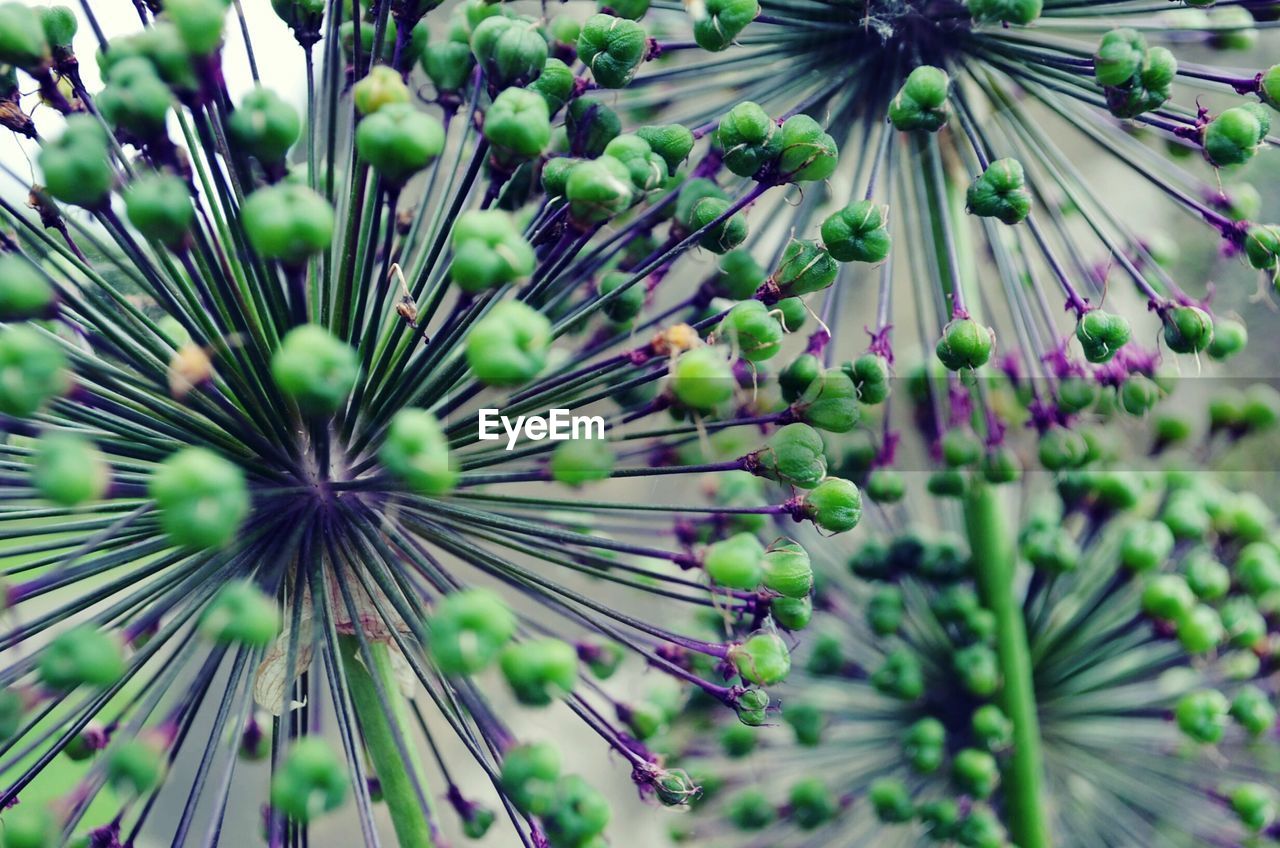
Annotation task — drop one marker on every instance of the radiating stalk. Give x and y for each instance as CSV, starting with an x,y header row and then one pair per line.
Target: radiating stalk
x,y
992,545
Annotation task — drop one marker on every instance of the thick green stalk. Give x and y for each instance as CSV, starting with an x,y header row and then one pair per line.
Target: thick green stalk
x,y
992,544
393,773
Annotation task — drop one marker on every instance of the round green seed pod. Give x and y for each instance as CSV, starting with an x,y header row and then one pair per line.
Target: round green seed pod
x,y
965,344
1145,546
30,825
136,99
311,781
1187,329
1202,715
82,656
25,291
202,498
762,659
35,370
302,16
511,51
1252,708
721,21
518,124
1229,338
288,222
417,452
750,139
721,236
489,251
579,814
673,142
77,164
241,614
1200,630
924,744
468,630
590,126
509,345
805,267
159,206
1269,88
647,169
598,189
890,800
540,670
834,505
1235,135
529,777
134,767
315,368
795,454
382,86
1262,246
1000,192
1101,334
612,48
976,772
555,84
69,470
398,141
702,378
786,569
736,562
580,461
921,103
752,330
807,153
199,23
857,233
1254,804
1020,12
448,64
900,675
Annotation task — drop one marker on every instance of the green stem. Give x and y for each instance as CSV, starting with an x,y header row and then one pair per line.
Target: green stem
x,y
991,542
407,814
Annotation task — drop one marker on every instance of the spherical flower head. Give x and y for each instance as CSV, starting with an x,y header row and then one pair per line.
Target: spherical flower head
x,y
965,344
598,189
468,630
529,777
1202,715
721,21
518,124
199,23
702,378
135,99
489,250
834,505
540,670
33,371
311,781
512,51
241,614
752,330
921,103
795,454
77,164
315,368
23,41
159,206
1187,329
612,48
580,461
1235,135
509,345
69,470
806,152
750,139
805,267
82,656
891,800
736,562
1000,192
288,222
201,496
787,569
398,141
762,659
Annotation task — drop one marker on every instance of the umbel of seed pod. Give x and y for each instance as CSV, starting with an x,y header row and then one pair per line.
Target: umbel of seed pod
x,y
921,103
1136,78
1000,192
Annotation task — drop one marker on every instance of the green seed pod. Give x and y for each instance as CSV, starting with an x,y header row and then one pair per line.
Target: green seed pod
x,y
885,486
23,42
834,505
1208,578
25,291
77,164
1236,134
805,267
398,141
468,629
579,814
311,781
1101,334
702,378
885,610
136,766
921,103
750,139
135,99
1135,78
1051,549
795,455
69,470
627,305
1269,88
417,452
632,10
1001,465
1261,406
1000,192
830,403
739,276
199,22
30,825
976,772
673,142
1076,394
1061,449
870,375
647,169
1262,246
992,728
35,370
900,675
787,569
720,22
752,330
1202,715
315,368
924,745
1139,394
792,313
806,721
448,64
288,222
529,777
1245,627
1253,710
960,448
762,659
612,48
1020,12
978,669
82,656
202,498
555,176
381,87
540,670
511,51
302,16
735,563
598,189
1146,545
518,124
1257,567
489,251
791,613
555,84
810,804
890,800
941,818
509,345
1229,338
720,237
159,206
752,707
807,153
160,44
1167,597
1200,630
965,344
1187,329
947,483
590,125
241,614
580,461
1254,804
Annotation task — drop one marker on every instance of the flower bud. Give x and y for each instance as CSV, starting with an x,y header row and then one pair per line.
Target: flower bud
x,y
315,368
511,51
529,777
941,818
288,222
509,346
77,164
35,370
1202,715
702,378
598,189
921,103
1000,465
1061,449
1236,134
612,48
540,670
791,613
978,669
1269,89
807,153
1101,334
135,99
489,251
750,139
762,659
310,781
159,206
468,629
900,675
965,344
891,800
302,16
795,455
806,721
1245,627
625,306
1000,192
554,83
885,486
796,377
202,498
960,448
720,22
834,504
750,810
82,656
673,142
1208,578
518,124
870,375
1167,597
647,169
417,452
